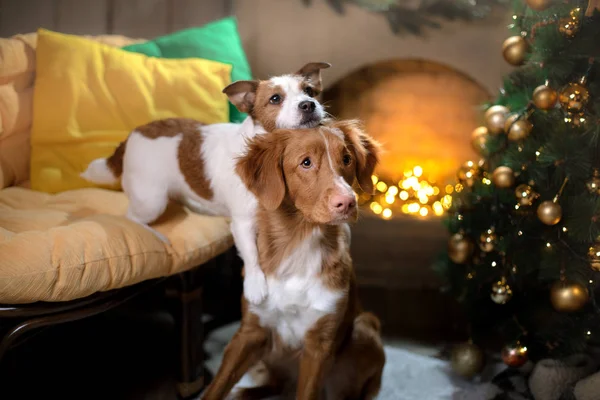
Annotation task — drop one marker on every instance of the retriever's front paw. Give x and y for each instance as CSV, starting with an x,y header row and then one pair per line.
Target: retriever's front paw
x,y
255,287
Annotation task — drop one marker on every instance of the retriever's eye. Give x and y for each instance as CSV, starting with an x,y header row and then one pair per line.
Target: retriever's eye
x,y
347,159
275,99
309,91
306,163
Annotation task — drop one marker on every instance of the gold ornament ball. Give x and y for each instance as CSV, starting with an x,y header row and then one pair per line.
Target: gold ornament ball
x,y
594,256
574,97
514,50
488,240
467,360
460,248
544,97
549,212
525,195
503,177
578,120
501,292
515,355
538,5
479,140
495,118
467,173
593,185
517,129
568,296
568,27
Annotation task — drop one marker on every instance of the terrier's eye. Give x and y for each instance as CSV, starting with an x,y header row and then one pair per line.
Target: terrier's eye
x,y
347,159
275,99
306,163
309,91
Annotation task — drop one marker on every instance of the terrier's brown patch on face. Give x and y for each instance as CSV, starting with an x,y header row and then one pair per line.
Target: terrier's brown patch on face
x,y
265,110
310,89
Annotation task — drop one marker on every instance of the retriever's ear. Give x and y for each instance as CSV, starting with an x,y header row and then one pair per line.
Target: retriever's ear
x,y
366,151
312,73
242,94
261,170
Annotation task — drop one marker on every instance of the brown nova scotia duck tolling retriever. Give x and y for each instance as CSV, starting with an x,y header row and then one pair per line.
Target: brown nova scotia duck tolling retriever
x,y
309,333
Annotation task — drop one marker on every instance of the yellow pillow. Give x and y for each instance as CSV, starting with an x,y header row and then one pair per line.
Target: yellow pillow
x,y
89,96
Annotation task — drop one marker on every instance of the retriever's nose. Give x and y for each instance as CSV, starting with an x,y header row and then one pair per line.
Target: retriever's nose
x,y
307,106
342,203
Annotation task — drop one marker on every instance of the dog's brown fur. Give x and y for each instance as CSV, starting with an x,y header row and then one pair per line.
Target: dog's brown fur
x,y
341,355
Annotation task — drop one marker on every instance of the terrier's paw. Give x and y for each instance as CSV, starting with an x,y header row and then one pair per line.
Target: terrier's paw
x,y
255,287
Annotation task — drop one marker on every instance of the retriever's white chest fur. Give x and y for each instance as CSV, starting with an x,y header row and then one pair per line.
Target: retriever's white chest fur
x,y
296,298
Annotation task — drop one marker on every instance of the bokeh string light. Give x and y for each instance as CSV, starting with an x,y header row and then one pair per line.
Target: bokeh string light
x,y
413,195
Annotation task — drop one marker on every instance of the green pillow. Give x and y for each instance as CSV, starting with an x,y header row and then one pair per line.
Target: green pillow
x,y
217,41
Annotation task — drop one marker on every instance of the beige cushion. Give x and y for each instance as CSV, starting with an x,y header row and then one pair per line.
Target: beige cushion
x,y
69,245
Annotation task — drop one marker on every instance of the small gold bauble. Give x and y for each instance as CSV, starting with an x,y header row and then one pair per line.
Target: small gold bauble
x,y
579,120
549,212
479,140
574,97
517,129
515,355
544,97
468,173
488,240
568,27
460,248
525,195
503,177
538,5
514,50
593,185
495,118
501,292
594,255
467,360
568,296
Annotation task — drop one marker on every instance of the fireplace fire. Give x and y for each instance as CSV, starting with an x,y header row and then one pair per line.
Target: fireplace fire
x,y
423,113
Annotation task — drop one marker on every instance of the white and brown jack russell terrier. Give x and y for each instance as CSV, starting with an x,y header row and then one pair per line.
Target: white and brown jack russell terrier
x,y
310,332
183,160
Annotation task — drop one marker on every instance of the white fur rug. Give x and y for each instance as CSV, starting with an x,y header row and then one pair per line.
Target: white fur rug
x,y
407,375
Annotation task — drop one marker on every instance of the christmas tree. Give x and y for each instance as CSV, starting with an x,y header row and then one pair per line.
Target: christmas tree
x,y
524,252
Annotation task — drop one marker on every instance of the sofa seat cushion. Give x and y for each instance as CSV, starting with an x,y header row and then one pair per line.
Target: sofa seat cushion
x,y
72,244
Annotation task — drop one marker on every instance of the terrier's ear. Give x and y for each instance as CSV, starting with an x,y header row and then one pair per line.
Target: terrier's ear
x,y
365,149
261,171
312,73
242,94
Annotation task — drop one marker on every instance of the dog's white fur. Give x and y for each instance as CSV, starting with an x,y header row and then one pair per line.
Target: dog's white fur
x,y
151,175
297,299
